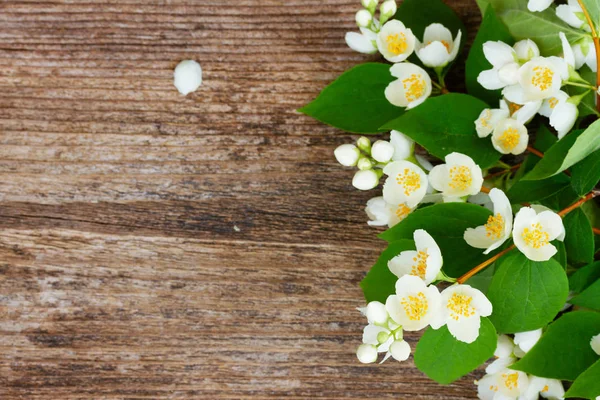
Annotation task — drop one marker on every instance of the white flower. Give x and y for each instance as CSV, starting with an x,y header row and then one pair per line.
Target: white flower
x,y
395,42
526,340
461,310
382,213
526,50
404,146
438,48
187,76
533,232
511,383
487,387
459,177
521,112
365,180
547,388
425,262
383,334
382,151
572,14
585,53
406,183
504,70
347,155
415,304
364,42
510,137
488,119
497,228
549,105
412,87
366,353
595,343
563,118
363,18
539,79
538,5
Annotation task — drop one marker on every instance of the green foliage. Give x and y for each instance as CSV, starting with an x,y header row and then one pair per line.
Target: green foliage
x,y
355,102
380,282
593,8
564,350
589,298
446,223
553,158
579,238
588,103
444,359
526,294
587,385
584,277
445,124
492,28
586,174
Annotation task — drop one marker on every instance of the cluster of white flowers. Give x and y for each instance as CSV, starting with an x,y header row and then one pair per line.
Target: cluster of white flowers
x,y
530,84
418,304
500,382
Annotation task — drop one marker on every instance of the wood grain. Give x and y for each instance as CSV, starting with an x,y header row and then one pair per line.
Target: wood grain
x,y
154,246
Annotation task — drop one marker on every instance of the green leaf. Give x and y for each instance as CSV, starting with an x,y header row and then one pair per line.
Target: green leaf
x,y
587,385
564,351
356,102
446,223
380,282
589,298
482,280
444,359
579,238
525,294
483,6
446,124
586,174
593,8
584,277
541,27
492,28
553,157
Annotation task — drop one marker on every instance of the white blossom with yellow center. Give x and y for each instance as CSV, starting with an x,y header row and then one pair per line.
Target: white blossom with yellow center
x,y
545,387
505,67
438,47
539,79
510,137
523,113
498,227
488,119
459,177
461,310
415,304
382,213
412,87
425,262
561,112
395,41
406,183
533,232
505,384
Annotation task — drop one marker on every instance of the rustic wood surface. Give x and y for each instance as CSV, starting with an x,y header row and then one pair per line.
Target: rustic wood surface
x,y
154,246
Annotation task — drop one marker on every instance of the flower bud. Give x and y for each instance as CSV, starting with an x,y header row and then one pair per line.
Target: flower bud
x,y
400,350
526,50
382,151
369,3
376,313
366,353
364,164
364,143
382,337
365,180
347,155
388,9
363,19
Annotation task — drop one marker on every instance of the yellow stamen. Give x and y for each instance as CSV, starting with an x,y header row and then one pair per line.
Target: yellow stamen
x,y
514,107
545,389
494,228
402,211
415,307
414,87
460,305
420,266
410,180
445,43
511,381
553,102
535,237
510,138
542,77
485,119
460,177
396,43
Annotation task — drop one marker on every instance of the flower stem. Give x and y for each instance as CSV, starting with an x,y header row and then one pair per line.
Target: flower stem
x,y
506,171
483,265
596,231
596,45
583,85
579,202
536,152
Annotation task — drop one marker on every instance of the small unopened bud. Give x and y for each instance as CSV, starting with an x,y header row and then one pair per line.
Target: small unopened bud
x,y
364,164
376,313
365,180
368,4
400,350
526,49
347,155
382,151
388,9
363,19
382,337
364,143
366,353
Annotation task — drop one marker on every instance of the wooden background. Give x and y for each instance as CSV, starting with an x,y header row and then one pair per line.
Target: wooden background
x,y
154,246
